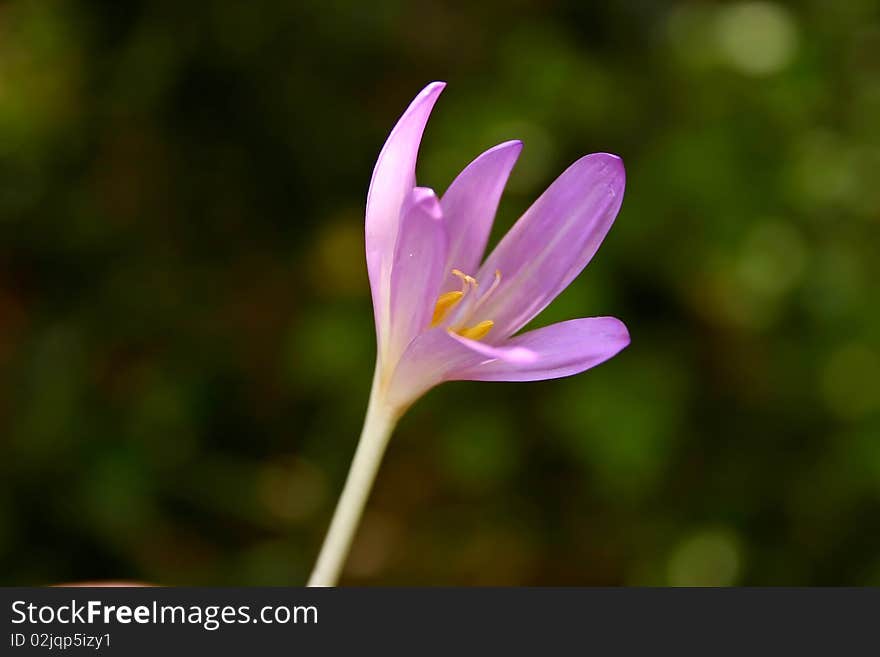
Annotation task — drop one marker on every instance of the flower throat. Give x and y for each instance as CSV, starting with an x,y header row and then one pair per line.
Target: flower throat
x,y
447,301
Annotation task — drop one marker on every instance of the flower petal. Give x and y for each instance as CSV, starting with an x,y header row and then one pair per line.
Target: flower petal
x,y
434,355
557,350
393,178
552,242
419,257
550,352
469,207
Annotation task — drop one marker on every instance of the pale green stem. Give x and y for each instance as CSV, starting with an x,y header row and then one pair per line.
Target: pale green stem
x,y
378,425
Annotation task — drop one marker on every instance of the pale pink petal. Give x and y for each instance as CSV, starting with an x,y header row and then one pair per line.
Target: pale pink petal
x,y
557,350
551,352
435,355
551,243
419,258
469,207
393,178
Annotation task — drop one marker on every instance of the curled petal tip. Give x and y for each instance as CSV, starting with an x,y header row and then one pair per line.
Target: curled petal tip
x,y
602,168
432,88
513,144
607,158
615,330
611,160
624,333
610,171
426,200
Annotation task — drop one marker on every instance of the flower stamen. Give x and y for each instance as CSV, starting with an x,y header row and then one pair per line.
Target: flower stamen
x,y
488,292
467,282
476,331
449,300
445,303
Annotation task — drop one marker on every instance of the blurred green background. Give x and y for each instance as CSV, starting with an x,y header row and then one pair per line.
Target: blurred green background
x,y
186,338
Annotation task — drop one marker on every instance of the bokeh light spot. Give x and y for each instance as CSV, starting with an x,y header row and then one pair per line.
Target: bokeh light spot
x,y
851,381
773,259
756,38
706,558
292,491
824,170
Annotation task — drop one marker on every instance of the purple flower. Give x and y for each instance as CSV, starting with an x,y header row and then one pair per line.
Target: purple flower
x,y
440,314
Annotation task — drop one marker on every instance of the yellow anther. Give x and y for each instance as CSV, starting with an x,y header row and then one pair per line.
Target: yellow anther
x,y
477,331
445,303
